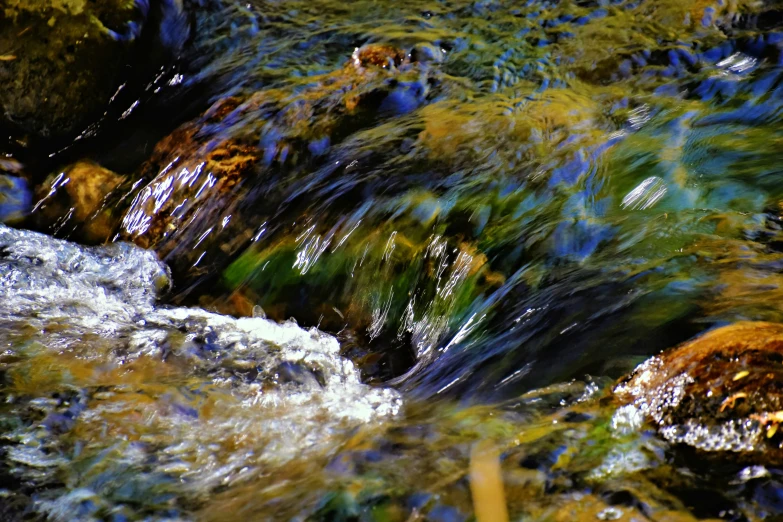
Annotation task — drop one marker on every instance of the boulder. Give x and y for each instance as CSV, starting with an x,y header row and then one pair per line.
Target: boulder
x,y
62,61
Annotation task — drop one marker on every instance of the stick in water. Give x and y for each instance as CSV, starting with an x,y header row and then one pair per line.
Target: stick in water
x,y
486,484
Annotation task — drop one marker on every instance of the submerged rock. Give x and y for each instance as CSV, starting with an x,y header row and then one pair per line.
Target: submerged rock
x,y
408,197
15,195
722,392
160,395
204,175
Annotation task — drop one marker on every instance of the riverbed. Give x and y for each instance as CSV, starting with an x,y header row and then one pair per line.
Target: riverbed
x,y
381,261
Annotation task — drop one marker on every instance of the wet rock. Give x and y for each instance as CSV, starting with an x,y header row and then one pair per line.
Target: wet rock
x,y
63,60
582,506
196,180
74,199
720,393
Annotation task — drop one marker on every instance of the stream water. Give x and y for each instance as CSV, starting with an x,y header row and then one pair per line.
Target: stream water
x,y
388,252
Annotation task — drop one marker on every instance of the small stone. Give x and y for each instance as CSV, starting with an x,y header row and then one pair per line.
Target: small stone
x,y
73,199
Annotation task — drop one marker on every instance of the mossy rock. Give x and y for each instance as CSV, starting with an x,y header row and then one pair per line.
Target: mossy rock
x,y
62,60
211,171
720,393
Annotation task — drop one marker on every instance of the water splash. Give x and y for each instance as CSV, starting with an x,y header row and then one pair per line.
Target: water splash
x,y
86,344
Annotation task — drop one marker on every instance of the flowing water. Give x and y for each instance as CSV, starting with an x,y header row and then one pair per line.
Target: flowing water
x,y
408,248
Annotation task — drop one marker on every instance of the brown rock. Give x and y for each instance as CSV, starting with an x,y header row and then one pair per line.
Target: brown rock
x,y
75,199
721,392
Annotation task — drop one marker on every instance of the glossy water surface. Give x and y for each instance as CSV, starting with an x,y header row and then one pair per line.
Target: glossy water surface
x,y
496,207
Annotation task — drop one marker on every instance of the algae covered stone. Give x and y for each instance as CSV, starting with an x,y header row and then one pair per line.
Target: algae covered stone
x,y
62,60
722,392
